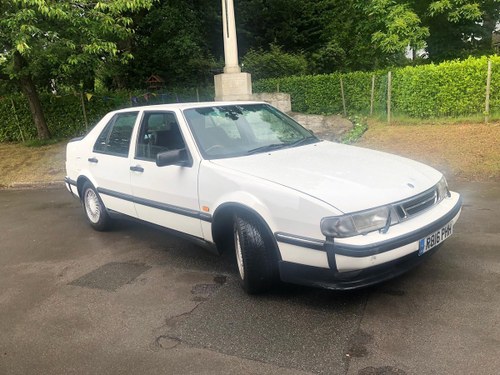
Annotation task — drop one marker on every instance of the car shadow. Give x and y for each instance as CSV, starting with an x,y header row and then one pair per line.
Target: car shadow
x,y
179,252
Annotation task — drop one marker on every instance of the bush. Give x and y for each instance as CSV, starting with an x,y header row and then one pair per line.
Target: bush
x,y
64,114
449,89
274,63
359,127
454,88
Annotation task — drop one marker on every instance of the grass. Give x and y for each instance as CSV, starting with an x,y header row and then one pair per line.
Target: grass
x,y
27,165
463,151
398,119
41,142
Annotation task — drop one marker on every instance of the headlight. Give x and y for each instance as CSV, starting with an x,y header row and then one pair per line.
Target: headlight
x,y
442,189
356,223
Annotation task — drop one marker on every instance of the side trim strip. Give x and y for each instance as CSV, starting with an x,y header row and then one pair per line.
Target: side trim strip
x,y
291,239
158,205
69,181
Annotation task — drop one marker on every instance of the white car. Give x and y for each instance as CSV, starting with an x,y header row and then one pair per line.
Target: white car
x,y
244,177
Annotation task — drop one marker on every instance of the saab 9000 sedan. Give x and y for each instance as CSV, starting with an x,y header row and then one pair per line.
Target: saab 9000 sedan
x,y
244,177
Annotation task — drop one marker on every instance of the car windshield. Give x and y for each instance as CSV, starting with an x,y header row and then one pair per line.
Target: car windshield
x,y
237,130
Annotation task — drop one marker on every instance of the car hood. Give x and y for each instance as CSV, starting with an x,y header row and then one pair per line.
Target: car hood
x,y
346,177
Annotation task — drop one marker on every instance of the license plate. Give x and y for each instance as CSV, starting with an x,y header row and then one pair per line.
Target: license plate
x,y
434,239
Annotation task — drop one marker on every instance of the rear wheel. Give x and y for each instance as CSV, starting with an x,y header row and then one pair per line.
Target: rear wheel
x,y
255,255
94,209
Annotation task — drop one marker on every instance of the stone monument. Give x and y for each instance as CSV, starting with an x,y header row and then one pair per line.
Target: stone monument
x,y
232,84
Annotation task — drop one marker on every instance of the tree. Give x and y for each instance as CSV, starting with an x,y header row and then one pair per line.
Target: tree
x,y
399,26
447,29
70,36
333,34
460,28
351,35
172,41
274,63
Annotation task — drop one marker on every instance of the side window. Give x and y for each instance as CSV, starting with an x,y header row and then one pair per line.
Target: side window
x,y
115,138
159,132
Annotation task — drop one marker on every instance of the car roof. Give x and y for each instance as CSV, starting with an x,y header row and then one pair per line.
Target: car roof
x,y
183,106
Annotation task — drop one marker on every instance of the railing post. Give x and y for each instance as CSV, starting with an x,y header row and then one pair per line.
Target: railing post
x,y
343,96
389,88
487,101
372,96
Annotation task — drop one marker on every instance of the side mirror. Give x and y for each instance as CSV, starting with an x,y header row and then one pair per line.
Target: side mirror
x,y
173,157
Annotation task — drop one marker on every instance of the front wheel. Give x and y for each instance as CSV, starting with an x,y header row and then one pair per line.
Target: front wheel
x,y
255,255
94,209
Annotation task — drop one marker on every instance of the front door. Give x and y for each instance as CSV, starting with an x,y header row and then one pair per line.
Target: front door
x,y
166,196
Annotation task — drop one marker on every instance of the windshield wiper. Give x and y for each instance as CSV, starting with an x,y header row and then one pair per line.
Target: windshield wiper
x,y
272,146
303,141
276,146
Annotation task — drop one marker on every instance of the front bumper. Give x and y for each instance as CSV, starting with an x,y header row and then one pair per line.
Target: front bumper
x,y
365,260
328,279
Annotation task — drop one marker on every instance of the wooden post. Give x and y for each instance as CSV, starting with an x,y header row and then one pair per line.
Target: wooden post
x,y
278,87
372,96
343,96
17,120
389,88
487,101
197,94
84,111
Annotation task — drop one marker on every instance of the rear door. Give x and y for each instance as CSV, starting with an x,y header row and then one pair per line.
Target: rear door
x,y
167,196
109,163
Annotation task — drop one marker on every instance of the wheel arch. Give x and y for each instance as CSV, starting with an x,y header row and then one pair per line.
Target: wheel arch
x,y
98,216
81,180
223,219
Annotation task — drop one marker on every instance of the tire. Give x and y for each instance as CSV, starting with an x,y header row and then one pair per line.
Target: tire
x,y
94,209
256,255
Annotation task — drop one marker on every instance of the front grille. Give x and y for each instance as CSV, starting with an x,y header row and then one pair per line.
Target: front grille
x,y
417,204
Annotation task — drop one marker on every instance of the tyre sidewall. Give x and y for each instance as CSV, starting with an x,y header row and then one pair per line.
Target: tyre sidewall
x,y
258,254
103,222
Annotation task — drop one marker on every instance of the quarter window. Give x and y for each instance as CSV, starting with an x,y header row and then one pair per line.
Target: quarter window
x,y
115,138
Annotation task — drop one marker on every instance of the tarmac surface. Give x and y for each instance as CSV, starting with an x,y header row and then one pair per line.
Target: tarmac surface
x,y
136,300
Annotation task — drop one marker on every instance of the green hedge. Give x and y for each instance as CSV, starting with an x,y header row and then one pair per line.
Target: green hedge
x,y
64,114
454,88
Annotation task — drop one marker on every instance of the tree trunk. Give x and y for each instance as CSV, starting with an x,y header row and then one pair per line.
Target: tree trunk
x,y
89,80
29,90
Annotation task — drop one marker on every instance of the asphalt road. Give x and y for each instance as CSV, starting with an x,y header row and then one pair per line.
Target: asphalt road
x,y
138,301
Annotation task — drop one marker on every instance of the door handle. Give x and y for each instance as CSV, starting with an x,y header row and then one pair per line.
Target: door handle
x,y
137,168
93,160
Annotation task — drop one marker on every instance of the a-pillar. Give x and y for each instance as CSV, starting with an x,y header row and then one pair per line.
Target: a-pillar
x,y
232,84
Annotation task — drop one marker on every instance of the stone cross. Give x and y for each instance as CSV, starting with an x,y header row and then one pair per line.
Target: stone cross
x,y
232,85
230,40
